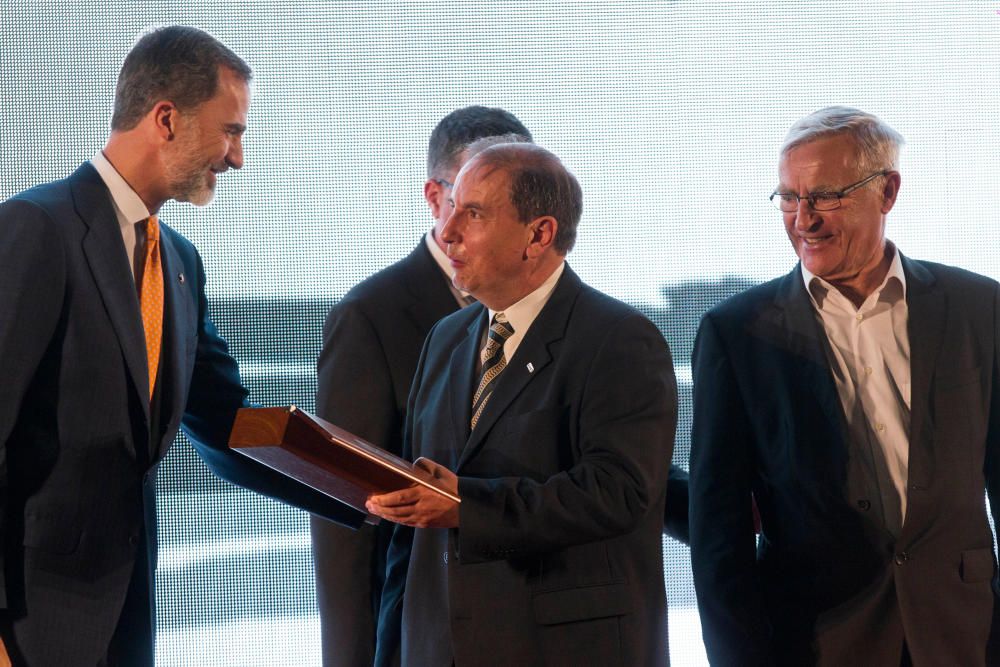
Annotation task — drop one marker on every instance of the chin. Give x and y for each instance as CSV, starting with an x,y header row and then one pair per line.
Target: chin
x,y
199,197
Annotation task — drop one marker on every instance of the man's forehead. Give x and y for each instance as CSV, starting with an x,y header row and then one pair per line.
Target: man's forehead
x,y
480,178
827,157
232,92
837,150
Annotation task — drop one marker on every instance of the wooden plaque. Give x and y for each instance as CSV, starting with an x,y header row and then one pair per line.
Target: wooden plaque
x,y
324,456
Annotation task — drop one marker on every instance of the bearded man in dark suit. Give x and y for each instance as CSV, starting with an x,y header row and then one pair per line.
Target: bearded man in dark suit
x,y
107,349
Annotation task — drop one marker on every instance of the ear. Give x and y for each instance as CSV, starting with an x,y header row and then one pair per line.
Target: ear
x,y
165,119
542,236
434,197
890,191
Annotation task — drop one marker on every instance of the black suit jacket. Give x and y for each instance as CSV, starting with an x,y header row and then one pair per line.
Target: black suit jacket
x,y
558,559
828,583
78,441
371,344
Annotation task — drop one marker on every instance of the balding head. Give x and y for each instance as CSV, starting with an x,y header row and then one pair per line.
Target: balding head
x,y
540,185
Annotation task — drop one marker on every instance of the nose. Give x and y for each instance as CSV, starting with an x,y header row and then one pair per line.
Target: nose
x,y
234,156
806,217
449,233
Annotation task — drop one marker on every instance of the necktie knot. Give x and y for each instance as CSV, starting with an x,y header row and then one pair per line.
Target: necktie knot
x,y
500,331
152,231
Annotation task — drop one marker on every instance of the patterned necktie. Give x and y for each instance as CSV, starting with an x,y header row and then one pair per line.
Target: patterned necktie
x,y
494,362
151,299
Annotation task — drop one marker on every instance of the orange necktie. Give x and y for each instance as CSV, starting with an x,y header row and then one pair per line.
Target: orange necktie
x,y
151,299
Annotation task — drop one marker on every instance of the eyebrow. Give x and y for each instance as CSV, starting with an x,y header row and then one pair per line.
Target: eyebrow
x,y
820,189
236,127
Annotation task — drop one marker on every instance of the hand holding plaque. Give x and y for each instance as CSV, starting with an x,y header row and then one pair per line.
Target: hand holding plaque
x,y
418,506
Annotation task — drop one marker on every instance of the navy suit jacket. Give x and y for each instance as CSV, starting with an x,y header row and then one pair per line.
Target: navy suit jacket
x,y
79,442
371,344
828,583
558,558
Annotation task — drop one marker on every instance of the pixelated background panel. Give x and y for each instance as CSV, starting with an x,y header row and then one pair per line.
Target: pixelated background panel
x,y
670,114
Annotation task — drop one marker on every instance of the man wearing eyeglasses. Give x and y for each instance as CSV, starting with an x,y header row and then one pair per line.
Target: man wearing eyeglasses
x,y
854,399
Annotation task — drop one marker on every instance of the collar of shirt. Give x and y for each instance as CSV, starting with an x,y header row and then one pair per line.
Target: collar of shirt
x,y
128,205
523,313
129,209
823,294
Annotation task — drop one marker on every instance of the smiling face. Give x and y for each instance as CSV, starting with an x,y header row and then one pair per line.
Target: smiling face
x,y
846,246
486,242
208,141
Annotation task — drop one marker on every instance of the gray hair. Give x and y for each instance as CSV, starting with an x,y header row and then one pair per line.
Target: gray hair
x,y
461,127
878,144
540,185
481,144
176,63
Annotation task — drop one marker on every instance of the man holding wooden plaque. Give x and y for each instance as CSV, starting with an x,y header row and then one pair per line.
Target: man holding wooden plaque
x,y
550,410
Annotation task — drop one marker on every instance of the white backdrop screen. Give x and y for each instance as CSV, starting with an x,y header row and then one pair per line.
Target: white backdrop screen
x,y
670,114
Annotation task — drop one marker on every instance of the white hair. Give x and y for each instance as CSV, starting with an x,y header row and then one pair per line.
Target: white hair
x,y
878,144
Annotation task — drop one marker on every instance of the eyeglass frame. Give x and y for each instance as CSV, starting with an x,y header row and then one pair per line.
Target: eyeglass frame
x,y
811,197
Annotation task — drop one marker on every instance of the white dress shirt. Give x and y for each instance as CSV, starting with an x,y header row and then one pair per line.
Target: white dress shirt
x,y
523,313
869,355
130,210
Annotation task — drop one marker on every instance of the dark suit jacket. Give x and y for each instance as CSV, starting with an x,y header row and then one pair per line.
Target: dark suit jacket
x,y
558,559
828,583
371,344
78,441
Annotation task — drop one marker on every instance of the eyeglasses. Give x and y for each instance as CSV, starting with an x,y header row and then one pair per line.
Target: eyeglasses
x,y
444,183
819,201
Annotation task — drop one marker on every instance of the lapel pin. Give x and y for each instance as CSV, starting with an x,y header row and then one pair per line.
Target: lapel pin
x,y
531,367
180,277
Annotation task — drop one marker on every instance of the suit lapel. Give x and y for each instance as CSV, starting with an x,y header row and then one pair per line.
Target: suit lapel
x,y
174,354
548,327
462,376
427,287
807,342
110,266
926,317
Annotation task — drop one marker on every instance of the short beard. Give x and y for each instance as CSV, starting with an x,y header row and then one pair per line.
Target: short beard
x,y
186,178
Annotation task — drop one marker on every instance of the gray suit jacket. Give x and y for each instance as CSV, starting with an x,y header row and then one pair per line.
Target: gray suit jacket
x,y
828,583
558,559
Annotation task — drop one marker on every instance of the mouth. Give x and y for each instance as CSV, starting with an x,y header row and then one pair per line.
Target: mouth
x,y
453,259
815,241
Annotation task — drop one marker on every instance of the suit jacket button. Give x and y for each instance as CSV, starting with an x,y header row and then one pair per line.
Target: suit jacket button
x,y
133,540
444,557
901,557
865,505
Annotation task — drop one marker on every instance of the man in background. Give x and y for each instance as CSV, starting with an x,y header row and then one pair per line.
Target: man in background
x,y
371,343
549,409
107,348
856,399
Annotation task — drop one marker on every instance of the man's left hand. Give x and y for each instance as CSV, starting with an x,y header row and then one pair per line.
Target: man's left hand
x,y
418,506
